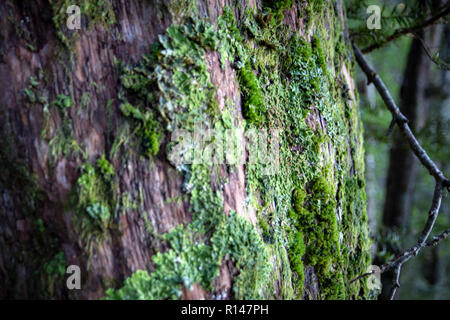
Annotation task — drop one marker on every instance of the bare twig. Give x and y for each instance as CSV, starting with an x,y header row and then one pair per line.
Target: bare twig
x,y
362,276
400,119
400,32
438,238
433,57
400,259
396,284
441,181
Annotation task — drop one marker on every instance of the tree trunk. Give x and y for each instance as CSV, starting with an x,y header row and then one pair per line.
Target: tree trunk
x,y
88,117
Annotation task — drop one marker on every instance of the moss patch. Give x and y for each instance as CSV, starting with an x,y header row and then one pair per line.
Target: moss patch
x,y
94,200
92,13
311,211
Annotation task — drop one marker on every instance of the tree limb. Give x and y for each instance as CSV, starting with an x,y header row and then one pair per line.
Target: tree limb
x,y
433,57
396,284
400,119
438,238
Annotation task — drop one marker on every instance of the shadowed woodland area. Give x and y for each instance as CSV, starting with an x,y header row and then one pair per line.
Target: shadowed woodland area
x,y
334,173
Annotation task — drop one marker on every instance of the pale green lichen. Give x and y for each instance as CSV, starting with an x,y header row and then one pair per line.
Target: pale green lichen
x,y
312,211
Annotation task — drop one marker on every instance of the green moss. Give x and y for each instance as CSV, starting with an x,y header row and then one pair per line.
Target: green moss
x,y
253,106
62,101
297,246
30,91
174,76
106,168
318,50
238,238
274,9
185,264
303,206
136,287
182,8
177,67
323,247
56,266
91,186
98,12
264,226
63,143
296,252
94,200
190,261
30,95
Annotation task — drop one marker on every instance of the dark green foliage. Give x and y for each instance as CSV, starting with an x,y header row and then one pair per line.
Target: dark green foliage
x,y
56,266
318,52
94,199
275,9
253,107
394,16
149,128
297,248
106,168
62,101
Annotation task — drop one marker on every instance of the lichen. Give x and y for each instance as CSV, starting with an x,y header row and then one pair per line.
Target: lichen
x,y
94,201
311,212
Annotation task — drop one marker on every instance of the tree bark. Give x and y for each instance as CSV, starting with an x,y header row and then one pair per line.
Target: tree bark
x,y
60,109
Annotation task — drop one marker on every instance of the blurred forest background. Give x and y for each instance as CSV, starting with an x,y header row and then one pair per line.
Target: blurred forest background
x,y
399,189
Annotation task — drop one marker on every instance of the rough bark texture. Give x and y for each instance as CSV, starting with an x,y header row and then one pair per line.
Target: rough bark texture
x,y
60,112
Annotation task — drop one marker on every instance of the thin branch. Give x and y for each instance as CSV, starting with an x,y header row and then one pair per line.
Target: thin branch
x,y
400,259
438,238
414,250
433,57
441,181
398,33
400,119
396,284
433,213
362,276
